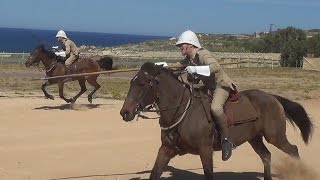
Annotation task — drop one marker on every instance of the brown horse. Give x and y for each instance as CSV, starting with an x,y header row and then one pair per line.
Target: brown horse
x,y
185,127
55,68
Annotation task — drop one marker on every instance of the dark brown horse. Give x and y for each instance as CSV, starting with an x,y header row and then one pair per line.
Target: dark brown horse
x,y
185,127
55,68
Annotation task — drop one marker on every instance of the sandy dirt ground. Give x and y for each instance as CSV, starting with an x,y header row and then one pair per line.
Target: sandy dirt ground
x,y
41,139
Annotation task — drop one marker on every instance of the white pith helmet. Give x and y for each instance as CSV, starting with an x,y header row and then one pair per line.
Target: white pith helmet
x,y
188,37
61,33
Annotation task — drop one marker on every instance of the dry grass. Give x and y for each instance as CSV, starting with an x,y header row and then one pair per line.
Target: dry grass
x,y
288,82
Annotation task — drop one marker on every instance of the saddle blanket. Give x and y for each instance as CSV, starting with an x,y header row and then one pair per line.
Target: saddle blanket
x,y
240,111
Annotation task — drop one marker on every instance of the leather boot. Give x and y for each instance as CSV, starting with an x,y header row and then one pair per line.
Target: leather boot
x,y
68,70
226,146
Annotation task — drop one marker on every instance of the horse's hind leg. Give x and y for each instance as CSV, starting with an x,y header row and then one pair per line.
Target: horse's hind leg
x,y
164,155
82,83
207,161
93,82
43,88
283,144
277,137
259,147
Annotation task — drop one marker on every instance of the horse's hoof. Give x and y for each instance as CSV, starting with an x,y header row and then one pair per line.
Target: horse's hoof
x,y
90,100
50,97
72,101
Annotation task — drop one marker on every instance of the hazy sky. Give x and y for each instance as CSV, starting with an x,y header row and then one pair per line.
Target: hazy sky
x,y
161,17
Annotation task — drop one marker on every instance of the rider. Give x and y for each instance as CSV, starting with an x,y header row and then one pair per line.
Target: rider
x,y
70,48
197,60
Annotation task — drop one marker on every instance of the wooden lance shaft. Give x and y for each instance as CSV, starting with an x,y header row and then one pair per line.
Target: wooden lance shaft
x,y
102,72
118,70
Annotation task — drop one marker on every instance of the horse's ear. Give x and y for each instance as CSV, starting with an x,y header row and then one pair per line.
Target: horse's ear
x,y
158,68
41,47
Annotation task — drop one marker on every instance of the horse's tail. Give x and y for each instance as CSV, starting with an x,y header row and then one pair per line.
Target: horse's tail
x,y
297,115
105,63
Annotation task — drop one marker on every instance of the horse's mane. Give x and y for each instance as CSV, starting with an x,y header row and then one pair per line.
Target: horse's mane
x,y
43,49
153,69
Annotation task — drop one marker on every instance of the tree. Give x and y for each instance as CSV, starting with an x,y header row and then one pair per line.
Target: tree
x,y
313,45
291,43
292,54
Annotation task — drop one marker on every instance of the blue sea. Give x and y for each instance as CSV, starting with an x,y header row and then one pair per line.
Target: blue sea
x,y
24,40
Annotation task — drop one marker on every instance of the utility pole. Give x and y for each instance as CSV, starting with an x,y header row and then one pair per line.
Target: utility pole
x,y
270,28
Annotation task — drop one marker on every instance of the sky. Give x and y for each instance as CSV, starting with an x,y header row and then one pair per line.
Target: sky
x,y
161,17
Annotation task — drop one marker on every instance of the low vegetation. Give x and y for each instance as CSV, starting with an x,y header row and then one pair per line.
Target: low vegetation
x,y
292,83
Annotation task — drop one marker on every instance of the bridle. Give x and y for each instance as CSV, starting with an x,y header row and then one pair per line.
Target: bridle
x,y
142,108
36,64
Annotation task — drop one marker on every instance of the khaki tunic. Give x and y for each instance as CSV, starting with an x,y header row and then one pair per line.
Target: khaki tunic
x,y
202,57
72,51
223,84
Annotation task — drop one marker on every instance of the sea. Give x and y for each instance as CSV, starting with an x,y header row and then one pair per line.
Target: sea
x,y
17,40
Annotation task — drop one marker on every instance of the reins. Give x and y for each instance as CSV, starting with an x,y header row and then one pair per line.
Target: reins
x,y
53,64
149,108
181,117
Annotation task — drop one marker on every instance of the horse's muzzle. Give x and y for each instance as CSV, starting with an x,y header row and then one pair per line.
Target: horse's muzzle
x,y
126,115
27,64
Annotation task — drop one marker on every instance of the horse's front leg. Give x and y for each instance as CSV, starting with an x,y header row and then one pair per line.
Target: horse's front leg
x,y
92,80
82,83
207,161
164,155
43,88
61,94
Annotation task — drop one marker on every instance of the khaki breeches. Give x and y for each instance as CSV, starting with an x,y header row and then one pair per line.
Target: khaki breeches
x,y
70,60
220,96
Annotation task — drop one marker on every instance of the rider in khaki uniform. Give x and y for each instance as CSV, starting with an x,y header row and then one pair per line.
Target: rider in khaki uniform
x,y
70,48
197,57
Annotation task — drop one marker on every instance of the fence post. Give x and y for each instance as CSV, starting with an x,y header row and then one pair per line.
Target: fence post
x,y
238,62
2,57
22,58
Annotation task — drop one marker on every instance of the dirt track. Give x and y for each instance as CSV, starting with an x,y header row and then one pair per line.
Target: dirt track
x,y
44,139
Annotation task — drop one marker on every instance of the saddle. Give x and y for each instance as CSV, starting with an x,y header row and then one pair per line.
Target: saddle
x,y
238,108
72,67
63,59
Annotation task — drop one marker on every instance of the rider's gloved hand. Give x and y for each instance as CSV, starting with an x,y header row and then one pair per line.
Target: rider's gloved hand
x,y
164,64
191,69
61,53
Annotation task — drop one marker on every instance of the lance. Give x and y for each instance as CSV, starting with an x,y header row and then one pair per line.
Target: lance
x,y
103,72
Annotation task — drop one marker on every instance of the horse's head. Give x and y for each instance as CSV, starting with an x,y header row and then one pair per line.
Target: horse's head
x,y
142,92
38,54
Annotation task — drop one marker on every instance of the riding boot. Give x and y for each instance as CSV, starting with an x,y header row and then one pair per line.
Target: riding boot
x,y
68,71
226,148
226,144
